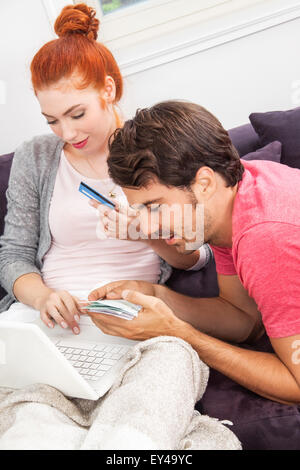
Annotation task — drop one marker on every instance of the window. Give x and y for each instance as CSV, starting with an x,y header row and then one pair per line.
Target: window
x,y
111,6
133,21
147,33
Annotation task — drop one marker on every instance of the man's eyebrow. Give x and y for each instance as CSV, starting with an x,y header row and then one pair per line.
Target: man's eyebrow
x,y
67,112
147,203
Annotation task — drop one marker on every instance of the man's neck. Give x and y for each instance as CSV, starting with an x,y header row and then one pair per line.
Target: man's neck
x,y
223,235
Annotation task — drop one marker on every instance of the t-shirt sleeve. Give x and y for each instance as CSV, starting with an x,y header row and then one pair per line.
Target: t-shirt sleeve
x,y
268,264
224,261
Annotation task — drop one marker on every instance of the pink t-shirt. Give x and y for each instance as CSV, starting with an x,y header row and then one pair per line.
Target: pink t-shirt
x,y
265,250
81,257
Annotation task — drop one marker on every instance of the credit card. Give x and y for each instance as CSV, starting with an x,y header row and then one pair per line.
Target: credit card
x,y
93,194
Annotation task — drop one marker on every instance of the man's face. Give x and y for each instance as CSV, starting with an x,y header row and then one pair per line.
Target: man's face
x,y
170,213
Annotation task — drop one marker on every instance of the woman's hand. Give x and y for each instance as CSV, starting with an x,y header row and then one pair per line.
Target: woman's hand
x,y
61,307
116,221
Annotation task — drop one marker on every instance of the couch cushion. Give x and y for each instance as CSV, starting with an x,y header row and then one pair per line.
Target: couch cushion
x,y
202,283
283,126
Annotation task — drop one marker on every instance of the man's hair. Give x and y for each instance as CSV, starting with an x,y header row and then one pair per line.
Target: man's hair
x,y
168,143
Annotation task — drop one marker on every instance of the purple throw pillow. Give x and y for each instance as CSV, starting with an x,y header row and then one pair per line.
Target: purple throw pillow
x,y
270,152
283,126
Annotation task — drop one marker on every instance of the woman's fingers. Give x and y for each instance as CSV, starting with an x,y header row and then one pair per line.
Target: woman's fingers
x,y
45,317
63,308
51,312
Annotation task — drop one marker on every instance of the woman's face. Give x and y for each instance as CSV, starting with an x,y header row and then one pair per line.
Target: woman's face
x,y
84,119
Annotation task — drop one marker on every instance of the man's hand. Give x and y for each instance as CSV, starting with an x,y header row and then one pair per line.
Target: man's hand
x,y
154,319
114,290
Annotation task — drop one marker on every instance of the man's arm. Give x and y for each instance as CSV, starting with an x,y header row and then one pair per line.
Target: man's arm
x,y
232,316
288,350
263,373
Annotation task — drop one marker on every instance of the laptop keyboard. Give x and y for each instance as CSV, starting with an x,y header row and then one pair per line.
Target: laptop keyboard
x,y
92,361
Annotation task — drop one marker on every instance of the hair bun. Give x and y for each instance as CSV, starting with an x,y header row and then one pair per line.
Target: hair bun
x,y
78,19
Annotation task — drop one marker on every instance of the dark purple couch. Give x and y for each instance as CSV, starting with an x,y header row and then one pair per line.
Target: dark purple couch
x,y
259,423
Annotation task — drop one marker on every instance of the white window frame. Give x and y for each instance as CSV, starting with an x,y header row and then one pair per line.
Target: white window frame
x,y
144,20
167,34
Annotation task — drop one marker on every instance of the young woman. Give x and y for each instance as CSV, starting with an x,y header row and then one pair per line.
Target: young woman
x,y
54,249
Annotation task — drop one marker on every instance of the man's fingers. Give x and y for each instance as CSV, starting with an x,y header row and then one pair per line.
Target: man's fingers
x,y
97,294
113,290
103,291
146,301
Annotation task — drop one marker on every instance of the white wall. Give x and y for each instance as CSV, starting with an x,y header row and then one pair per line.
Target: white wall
x,y
24,28
253,73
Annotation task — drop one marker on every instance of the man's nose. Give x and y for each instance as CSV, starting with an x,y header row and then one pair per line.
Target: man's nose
x,y
149,226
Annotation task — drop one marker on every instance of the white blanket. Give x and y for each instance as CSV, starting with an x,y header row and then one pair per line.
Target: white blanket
x,y
150,406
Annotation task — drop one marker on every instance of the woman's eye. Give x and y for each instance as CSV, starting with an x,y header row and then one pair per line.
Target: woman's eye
x,y
51,123
78,116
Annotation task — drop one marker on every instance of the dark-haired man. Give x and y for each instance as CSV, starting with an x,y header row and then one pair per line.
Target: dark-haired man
x,y
178,153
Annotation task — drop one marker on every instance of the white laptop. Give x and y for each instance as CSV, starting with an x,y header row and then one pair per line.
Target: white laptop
x,y
82,366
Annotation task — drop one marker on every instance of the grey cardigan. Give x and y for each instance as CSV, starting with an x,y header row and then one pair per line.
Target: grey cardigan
x,y
26,237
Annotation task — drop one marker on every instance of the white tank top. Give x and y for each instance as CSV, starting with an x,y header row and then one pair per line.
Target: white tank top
x,y
78,260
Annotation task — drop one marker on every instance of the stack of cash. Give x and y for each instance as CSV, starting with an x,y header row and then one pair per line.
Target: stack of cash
x,y
117,308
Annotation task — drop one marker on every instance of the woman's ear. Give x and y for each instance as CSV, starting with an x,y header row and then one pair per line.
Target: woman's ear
x,y
108,92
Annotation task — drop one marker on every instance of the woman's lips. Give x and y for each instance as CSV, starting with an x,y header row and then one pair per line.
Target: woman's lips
x,y
81,144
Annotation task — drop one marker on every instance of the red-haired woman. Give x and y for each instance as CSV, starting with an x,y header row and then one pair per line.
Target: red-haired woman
x,y
54,249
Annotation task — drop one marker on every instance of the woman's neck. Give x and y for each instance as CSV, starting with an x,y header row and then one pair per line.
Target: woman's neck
x,y
94,166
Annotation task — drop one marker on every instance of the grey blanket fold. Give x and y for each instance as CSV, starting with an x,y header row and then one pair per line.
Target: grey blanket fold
x,y
150,406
